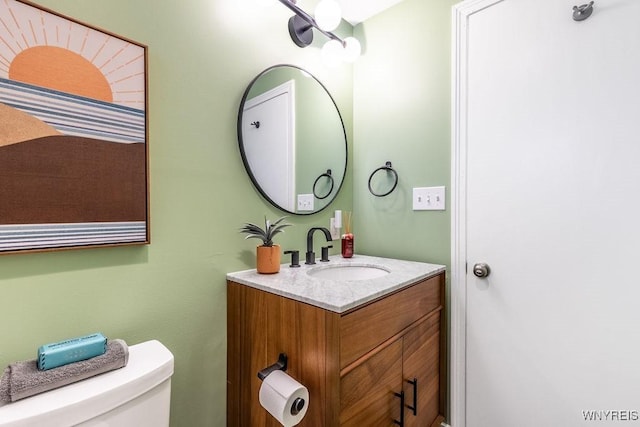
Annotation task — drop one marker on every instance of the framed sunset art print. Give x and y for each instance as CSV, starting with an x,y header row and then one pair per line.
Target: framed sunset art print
x,y
73,133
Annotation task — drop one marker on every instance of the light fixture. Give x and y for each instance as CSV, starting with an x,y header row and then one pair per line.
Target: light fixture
x,y
352,49
328,15
327,18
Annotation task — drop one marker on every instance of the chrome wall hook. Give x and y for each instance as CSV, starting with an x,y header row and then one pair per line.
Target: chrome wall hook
x,y
582,12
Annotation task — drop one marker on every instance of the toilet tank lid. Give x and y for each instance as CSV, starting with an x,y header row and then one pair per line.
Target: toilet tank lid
x,y
150,364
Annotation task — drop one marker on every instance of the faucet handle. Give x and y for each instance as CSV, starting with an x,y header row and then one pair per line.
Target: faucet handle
x,y
295,258
310,258
325,253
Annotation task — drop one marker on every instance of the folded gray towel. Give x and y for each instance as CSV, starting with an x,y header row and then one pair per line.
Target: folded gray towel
x,y
23,379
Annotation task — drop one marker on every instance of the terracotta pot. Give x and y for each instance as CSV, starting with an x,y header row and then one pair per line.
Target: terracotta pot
x,y
268,259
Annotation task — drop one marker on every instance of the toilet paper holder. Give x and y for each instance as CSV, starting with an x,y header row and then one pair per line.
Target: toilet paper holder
x,y
280,365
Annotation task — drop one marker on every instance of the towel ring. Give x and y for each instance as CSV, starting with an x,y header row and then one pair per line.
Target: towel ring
x,y
327,175
387,167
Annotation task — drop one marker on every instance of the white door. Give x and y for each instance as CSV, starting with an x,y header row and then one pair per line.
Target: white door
x,y
547,193
268,138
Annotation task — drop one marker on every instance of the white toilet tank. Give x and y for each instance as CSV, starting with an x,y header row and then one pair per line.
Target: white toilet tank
x,y
137,395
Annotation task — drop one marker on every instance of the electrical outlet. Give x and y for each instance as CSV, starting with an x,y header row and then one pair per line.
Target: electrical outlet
x,y
305,202
429,199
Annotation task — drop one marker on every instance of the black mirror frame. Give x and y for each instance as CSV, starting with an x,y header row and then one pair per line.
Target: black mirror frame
x,y
244,156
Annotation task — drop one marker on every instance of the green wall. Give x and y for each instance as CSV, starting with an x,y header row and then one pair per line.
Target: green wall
x,y
202,54
402,114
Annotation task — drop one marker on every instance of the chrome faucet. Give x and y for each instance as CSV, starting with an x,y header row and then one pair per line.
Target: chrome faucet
x,y
311,256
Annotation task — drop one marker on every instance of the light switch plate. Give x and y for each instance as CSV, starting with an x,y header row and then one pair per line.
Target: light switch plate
x,y
305,202
429,198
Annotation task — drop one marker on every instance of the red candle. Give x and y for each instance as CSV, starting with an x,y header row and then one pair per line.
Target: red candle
x,y
347,245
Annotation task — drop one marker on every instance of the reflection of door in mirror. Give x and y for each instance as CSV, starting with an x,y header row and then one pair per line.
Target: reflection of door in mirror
x,y
268,136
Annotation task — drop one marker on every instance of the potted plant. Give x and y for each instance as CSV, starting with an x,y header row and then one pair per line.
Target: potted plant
x,y
268,254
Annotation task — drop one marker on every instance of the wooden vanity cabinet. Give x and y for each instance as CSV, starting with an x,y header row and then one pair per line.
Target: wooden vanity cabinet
x,y
355,364
370,393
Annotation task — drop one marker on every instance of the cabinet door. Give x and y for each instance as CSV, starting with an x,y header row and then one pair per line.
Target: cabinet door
x,y
421,366
368,391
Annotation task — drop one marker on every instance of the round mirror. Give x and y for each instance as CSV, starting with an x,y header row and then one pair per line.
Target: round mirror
x,y
292,140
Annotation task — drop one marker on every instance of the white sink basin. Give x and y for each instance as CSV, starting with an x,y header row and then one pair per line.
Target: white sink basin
x,y
348,272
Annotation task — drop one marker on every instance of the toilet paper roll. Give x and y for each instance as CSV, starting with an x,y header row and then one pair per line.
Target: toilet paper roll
x,y
284,398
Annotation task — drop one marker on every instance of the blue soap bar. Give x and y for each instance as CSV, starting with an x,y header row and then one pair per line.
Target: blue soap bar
x,y
71,350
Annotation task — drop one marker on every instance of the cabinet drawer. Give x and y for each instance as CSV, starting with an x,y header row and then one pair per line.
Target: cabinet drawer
x,y
365,328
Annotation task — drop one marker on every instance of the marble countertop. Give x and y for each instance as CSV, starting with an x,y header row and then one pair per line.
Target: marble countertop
x,y
338,295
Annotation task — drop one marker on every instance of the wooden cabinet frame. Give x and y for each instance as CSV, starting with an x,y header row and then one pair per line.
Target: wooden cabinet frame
x,y
323,347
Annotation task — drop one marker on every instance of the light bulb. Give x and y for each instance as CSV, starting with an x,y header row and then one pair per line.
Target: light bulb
x,y
352,49
332,52
328,15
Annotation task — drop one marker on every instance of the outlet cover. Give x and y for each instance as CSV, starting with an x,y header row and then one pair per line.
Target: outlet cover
x,y
429,198
305,202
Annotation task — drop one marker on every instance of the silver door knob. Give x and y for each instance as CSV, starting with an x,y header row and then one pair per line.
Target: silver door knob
x,y
481,270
